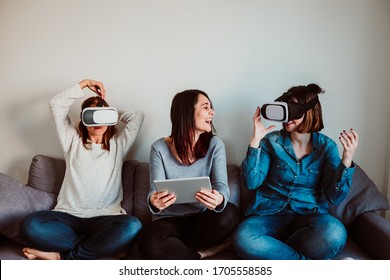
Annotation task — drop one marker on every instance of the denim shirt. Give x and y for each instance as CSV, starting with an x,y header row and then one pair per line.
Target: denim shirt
x,y
306,185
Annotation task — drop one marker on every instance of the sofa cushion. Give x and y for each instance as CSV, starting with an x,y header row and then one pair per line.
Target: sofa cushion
x,y
362,197
46,173
128,182
247,196
141,190
18,201
234,184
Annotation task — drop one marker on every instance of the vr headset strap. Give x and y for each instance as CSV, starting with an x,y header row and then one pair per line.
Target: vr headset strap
x,y
303,107
283,98
306,107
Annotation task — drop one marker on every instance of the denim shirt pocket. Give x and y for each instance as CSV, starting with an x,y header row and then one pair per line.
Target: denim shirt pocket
x,y
280,172
314,175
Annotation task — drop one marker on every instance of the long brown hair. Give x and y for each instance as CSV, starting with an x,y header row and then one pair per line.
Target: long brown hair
x,y
183,126
312,120
96,101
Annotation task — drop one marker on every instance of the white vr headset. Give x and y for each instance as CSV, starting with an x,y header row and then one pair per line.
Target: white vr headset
x,y
99,116
283,111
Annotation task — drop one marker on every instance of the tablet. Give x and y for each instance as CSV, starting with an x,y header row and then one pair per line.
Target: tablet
x,y
184,188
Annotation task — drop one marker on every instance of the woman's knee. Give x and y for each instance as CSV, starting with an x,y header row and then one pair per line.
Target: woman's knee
x,y
228,219
330,238
243,235
32,224
131,226
336,233
249,243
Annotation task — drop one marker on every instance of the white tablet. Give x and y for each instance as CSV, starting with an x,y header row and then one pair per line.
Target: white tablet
x,y
184,188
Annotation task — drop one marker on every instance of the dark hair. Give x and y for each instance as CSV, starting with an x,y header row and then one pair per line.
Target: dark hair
x,y
183,126
96,101
312,119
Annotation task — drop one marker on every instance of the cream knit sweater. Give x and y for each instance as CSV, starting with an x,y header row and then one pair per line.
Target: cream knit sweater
x,y
92,184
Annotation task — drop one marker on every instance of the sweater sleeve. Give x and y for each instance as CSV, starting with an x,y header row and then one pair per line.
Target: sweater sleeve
x,y
133,122
59,106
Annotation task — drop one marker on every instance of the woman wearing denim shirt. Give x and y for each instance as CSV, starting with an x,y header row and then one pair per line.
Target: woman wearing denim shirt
x,y
296,172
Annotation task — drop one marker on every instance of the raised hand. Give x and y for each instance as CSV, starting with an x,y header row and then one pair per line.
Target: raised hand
x,y
259,130
349,140
96,86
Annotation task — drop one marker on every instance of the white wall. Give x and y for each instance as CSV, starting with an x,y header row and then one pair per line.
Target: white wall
x,y
242,53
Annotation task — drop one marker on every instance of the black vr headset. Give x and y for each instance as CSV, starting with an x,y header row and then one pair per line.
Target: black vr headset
x,y
283,111
99,116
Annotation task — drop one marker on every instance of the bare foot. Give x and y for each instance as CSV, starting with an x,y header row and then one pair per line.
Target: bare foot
x,y
209,252
33,254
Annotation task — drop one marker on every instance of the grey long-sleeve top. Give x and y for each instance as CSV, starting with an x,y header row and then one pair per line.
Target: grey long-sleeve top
x,y
163,165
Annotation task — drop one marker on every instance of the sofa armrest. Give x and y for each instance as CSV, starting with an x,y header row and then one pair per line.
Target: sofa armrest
x,y
372,233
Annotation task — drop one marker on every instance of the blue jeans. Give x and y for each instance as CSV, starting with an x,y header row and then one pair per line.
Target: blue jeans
x,y
289,236
79,238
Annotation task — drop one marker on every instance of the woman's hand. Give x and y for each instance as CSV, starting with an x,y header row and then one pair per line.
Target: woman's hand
x,y
349,140
259,130
210,199
162,200
96,86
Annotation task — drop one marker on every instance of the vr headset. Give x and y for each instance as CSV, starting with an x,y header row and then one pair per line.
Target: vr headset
x,y
283,111
99,116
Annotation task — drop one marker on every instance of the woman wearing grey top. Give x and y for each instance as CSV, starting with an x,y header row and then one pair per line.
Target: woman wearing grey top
x,y
88,221
188,230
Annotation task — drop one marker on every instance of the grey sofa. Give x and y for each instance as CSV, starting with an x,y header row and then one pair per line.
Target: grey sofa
x,y
369,233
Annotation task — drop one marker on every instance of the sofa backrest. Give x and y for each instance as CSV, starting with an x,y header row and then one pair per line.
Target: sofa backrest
x,y
47,173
